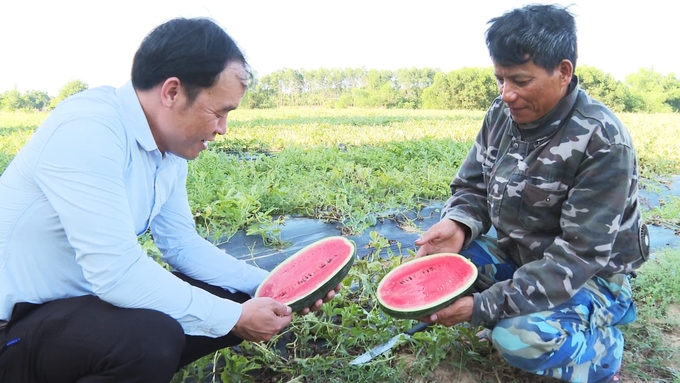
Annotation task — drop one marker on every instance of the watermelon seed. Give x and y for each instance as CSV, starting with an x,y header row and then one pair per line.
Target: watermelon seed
x,y
419,274
305,278
328,261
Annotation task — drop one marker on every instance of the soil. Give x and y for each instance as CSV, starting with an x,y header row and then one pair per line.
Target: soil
x,y
447,373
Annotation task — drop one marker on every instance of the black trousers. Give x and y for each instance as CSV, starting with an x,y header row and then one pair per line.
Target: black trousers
x,y
87,340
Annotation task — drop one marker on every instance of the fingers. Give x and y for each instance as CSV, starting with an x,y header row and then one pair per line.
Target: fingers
x,y
317,305
284,320
282,310
430,319
261,319
425,238
460,311
446,236
426,242
329,296
422,251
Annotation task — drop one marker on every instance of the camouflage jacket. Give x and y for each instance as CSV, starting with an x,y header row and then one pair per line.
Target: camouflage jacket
x,y
562,198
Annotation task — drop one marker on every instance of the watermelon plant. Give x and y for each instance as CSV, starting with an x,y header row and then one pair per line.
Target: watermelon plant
x,y
349,167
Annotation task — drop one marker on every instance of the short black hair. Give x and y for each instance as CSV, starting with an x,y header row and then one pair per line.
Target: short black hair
x,y
195,50
543,33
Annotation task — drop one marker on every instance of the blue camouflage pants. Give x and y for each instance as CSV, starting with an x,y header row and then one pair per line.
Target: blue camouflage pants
x,y
576,341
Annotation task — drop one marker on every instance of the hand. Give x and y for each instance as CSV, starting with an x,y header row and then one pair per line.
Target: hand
x,y
445,236
261,319
460,311
317,305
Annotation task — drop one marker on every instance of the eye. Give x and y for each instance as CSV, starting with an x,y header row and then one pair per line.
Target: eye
x,y
219,116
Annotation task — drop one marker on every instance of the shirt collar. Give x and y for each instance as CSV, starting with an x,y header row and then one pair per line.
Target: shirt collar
x,y
135,119
136,122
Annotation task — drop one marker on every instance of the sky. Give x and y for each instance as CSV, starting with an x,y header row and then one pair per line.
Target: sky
x,y
45,44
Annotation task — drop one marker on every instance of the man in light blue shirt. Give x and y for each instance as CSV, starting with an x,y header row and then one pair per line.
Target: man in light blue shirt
x,y
79,298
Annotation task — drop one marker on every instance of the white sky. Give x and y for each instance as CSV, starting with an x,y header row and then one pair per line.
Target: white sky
x,y
45,44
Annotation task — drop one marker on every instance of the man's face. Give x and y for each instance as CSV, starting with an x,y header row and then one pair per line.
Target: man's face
x,y
529,91
190,127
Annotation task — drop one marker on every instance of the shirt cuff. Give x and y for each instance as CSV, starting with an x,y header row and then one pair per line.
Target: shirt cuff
x,y
481,315
221,321
256,276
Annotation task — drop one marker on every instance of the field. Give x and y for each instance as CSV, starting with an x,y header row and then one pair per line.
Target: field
x,y
355,168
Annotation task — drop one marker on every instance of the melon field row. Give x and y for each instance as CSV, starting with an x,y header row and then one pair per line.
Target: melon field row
x,y
355,168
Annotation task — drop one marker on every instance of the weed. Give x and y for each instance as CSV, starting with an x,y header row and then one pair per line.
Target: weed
x,y
655,289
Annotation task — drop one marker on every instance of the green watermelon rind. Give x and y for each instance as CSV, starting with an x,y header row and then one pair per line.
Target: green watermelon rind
x,y
399,314
308,300
418,313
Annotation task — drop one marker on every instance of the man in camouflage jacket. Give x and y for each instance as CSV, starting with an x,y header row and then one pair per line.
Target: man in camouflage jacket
x,y
555,173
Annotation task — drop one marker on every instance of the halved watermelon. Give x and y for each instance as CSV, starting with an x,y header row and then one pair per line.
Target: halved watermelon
x,y
421,287
310,273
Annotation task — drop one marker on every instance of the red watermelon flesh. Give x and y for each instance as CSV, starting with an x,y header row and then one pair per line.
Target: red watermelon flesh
x,y
425,285
310,273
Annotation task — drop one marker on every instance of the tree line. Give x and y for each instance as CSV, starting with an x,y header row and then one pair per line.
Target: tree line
x,y
37,100
471,88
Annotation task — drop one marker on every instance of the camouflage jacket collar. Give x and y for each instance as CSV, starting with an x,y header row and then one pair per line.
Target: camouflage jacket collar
x,y
550,123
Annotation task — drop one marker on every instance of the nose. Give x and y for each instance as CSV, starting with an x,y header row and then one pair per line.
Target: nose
x,y
508,92
221,126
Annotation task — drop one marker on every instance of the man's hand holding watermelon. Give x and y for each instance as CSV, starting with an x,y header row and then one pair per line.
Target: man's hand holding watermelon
x,y
446,236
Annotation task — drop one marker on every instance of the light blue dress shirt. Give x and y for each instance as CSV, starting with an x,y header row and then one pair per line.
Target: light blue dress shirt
x,y
74,201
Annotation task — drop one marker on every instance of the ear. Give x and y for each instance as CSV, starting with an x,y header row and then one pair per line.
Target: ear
x,y
566,69
171,92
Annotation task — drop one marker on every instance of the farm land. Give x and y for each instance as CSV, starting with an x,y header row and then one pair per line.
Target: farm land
x,y
356,168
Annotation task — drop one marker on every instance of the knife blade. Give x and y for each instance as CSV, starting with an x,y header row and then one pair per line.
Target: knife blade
x,y
382,348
